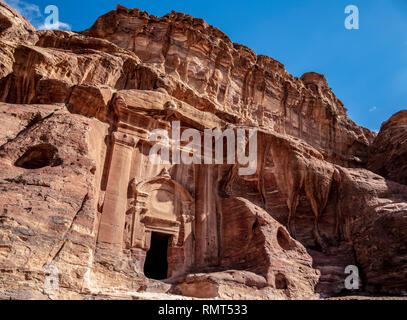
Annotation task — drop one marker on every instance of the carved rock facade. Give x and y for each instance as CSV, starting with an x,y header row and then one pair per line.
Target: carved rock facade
x,y
79,194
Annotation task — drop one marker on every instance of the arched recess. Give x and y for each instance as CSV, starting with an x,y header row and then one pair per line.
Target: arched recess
x,y
162,206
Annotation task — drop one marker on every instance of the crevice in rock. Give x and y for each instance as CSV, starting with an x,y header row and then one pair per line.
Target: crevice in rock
x,y
63,238
21,180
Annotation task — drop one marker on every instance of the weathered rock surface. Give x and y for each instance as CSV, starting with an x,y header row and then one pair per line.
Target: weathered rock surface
x,y
388,153
14,27
208,71
81,204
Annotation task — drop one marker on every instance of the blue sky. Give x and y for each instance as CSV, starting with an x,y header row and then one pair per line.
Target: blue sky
x,y
367,68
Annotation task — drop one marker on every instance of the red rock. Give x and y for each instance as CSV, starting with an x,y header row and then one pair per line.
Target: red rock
x,y
388,153
211,72
78,192
14,27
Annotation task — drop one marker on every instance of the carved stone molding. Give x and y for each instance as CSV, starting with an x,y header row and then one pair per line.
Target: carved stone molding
x,y
160,205
124,139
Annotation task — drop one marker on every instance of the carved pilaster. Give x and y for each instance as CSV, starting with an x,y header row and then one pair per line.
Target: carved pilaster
x,y
115,205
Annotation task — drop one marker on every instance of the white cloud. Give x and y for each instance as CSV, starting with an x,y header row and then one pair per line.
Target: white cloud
x,y
60,26
33,14
372,109
28,10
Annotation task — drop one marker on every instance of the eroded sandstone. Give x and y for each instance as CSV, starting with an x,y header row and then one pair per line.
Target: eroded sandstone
x,y
388,154
80,196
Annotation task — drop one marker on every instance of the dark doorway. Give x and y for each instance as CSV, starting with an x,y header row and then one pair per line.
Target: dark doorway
x,y
156,265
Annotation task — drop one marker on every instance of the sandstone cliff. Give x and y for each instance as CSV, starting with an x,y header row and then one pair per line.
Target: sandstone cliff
x,y
388,153
80,196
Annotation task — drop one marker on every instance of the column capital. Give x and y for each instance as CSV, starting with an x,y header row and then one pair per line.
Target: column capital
x,y
125,139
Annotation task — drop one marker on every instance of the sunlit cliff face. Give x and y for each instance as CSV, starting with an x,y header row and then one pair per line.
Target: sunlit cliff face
x,y
81,200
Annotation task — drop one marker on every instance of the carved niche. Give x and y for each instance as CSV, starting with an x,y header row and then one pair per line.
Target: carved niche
x,y
163,206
